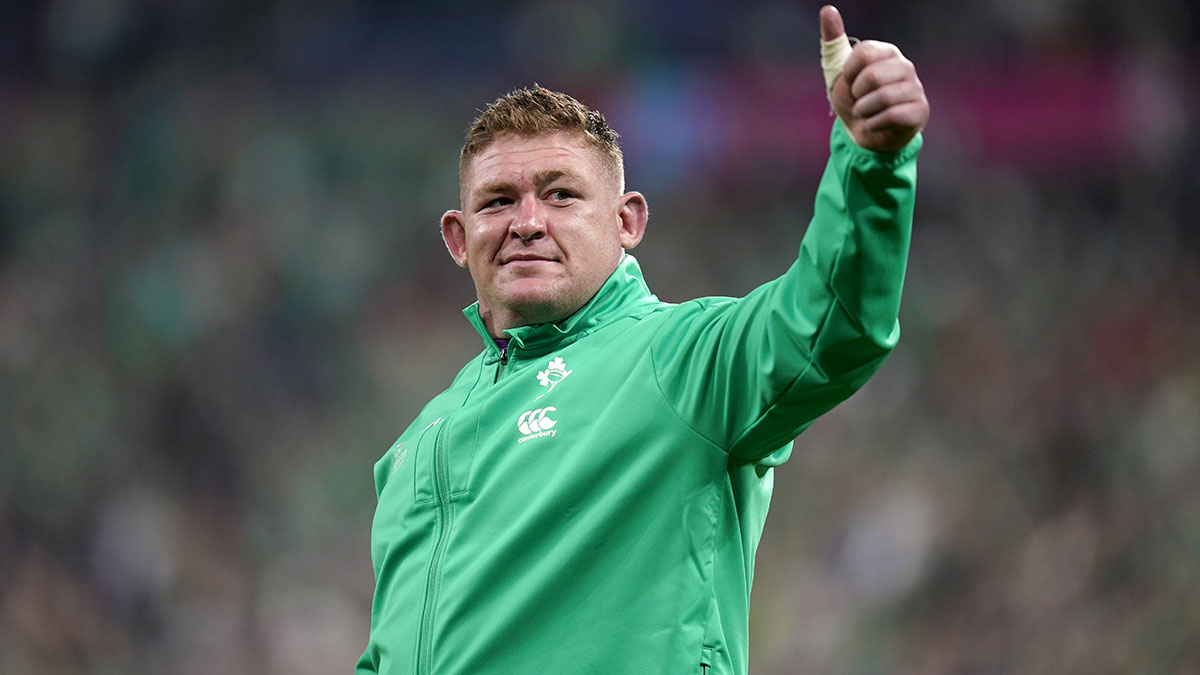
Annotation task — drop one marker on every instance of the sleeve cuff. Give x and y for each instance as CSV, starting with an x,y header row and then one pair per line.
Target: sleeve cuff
x,y
840,141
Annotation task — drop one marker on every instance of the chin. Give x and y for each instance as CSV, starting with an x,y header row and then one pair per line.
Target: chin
x,y
544,305
540,310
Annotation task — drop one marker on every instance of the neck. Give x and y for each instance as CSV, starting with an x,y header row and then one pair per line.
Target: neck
x,y
499,320
495,327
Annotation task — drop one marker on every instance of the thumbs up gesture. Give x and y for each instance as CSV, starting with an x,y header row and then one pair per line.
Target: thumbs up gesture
x,y
876,94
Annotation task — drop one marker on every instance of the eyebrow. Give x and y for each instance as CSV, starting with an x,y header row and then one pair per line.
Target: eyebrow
x,y
541,180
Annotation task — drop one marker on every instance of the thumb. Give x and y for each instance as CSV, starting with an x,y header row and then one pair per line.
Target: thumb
x,y
832,26
835,46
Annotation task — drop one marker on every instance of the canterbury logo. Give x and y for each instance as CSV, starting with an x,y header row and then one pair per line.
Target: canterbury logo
x,y
533,421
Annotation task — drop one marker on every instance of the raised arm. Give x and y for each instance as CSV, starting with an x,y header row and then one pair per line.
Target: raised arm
x,y
749,374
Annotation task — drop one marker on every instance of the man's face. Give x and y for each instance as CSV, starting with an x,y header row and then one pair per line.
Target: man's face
x,y
543,224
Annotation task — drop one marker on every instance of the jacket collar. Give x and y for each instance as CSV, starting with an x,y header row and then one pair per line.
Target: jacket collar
x,y
622,294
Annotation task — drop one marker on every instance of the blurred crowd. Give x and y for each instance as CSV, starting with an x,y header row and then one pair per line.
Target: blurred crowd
x,y
223,294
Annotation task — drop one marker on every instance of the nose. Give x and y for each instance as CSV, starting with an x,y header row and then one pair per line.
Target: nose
x,y
529,222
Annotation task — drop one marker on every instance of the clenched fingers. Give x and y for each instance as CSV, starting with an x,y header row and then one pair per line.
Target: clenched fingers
x,y
875,101
902,121
865,54
876,65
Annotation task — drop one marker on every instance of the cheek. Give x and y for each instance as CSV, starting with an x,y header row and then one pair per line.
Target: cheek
x,y
481,241
598,241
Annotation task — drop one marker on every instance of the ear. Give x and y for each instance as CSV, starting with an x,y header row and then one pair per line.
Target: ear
x,y
454,233
632,216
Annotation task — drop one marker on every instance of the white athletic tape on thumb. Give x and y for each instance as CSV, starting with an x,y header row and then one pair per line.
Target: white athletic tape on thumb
x,y
833,58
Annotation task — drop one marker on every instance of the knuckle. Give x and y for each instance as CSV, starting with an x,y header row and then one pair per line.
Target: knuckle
x,y
878,48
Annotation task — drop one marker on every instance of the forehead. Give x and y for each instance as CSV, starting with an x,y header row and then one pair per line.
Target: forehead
x,y
513,158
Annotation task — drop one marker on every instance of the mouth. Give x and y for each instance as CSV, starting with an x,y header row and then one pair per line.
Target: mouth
x,y
525,258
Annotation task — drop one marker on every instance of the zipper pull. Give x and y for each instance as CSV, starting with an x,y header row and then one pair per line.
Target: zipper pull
x,y
500,366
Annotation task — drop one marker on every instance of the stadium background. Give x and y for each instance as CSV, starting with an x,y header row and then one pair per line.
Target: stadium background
x,y
223,294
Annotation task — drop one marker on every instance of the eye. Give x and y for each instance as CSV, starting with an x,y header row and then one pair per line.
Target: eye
x,y
495,203
559,195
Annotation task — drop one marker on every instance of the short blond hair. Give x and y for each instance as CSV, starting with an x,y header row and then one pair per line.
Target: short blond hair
x,y
532,111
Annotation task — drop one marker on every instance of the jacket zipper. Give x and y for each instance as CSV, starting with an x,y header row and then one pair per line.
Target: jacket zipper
x,y
501,365
441,487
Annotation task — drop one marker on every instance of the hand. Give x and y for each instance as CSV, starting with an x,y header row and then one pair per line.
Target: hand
x,y
877,96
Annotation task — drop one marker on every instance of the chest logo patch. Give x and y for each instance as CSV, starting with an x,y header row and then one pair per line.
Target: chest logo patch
x,y
537,423
554,373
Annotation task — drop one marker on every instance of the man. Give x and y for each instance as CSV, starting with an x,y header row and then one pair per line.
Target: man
x,y
587,495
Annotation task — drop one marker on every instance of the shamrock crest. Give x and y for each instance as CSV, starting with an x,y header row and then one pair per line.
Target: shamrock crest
x,y
554,373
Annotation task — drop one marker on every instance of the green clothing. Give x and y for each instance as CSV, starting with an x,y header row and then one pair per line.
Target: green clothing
x,y
592,501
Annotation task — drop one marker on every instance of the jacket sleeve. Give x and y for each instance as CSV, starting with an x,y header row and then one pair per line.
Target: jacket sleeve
x,y
751,373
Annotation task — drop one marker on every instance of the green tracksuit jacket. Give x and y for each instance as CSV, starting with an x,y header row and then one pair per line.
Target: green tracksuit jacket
x,y
590,502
